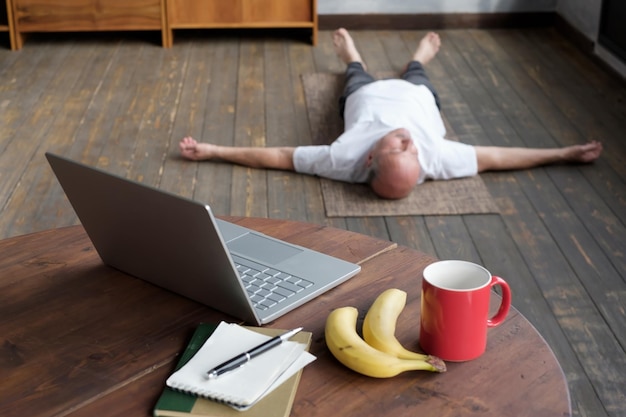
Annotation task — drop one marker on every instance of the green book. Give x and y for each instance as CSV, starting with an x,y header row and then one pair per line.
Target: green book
x,y
278,403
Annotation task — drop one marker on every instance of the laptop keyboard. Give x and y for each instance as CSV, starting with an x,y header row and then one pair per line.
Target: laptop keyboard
x,y
267,287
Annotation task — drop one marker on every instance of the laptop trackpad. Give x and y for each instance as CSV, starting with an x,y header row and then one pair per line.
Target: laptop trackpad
x,y
263,249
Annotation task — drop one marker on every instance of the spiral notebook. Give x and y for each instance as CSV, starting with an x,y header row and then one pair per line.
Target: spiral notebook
x,y
243,388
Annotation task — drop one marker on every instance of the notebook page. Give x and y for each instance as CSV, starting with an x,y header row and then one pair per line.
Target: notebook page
x,y
243,386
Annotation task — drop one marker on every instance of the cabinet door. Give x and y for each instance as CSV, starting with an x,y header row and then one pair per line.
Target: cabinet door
x,y
277,11
203,13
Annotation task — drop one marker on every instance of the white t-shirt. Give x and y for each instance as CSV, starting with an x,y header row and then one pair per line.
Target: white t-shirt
x,y
375,110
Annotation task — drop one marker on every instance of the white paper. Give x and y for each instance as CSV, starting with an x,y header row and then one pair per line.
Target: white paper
x,y
243,387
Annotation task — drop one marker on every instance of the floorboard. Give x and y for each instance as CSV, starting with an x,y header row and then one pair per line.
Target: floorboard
x,y
123,104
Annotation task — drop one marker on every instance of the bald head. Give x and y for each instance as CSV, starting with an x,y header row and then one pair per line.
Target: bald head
x,y
394,165
393,178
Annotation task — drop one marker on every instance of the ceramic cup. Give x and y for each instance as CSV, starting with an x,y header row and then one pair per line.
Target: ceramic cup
x,y
455,309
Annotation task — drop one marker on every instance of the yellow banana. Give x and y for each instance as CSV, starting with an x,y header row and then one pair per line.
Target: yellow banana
x,y
379,326
352,351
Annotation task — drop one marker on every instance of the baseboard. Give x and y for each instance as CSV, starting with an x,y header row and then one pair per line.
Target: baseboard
x,y
436,21
588,47
575,36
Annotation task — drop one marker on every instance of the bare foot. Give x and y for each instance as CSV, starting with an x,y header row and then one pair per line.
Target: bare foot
x,y
586,153
427,48
344,47
196,151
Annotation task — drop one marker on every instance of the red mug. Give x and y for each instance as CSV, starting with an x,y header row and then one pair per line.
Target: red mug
x,y
455,309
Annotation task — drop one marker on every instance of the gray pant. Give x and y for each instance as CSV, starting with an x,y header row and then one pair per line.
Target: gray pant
x,y
357,77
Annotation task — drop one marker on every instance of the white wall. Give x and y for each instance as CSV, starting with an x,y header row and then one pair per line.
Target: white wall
x,y
325,7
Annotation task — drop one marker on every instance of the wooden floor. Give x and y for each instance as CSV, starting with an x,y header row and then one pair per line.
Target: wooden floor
x,y
122,103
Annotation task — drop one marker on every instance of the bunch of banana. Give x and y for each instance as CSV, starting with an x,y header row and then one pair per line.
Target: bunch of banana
x,y
380,355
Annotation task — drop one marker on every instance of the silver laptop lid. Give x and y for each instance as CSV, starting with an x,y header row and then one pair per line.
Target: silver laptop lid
x,y
131,227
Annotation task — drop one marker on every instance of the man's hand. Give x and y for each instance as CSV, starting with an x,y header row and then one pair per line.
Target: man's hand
x,y
192,149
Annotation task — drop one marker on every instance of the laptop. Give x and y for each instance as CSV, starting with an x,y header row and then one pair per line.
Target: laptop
x,y
177,244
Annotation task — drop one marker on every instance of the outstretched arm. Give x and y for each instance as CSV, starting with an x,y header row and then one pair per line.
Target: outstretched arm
x,y
253,157
496,158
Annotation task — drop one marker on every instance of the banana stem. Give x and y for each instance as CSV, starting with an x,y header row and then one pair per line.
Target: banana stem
x,y
437,364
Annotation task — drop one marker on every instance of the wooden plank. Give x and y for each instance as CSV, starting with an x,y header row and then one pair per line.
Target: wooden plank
x,y
597,217
372,51
502,91
591,89
582,198
521,116
50,208
598,240
179,175
605,180
607,85
324,55
213,180
16,72
34,136
157,113
586,279
70,122
552,213
109,99
102,138
284,198
301,62
371,226
451,238
547,268
410,231
103,97
398,51
7,60
27,128
249,186
579,104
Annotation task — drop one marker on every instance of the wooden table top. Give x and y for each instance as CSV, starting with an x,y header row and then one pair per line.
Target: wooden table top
x,y
81,339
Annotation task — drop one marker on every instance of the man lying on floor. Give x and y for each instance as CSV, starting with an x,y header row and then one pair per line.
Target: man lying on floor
x,y
393,137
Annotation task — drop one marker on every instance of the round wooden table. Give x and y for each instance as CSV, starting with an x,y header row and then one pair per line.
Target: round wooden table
x,y
81,339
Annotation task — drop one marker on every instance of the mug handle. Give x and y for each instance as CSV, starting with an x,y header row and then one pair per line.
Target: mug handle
x,y
504,306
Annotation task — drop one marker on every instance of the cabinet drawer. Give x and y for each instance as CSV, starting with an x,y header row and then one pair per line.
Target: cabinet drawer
x,y
82,15
190,13
277,11
211,13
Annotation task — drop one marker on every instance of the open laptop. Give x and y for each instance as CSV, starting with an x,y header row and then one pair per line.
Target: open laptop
x,y
178,244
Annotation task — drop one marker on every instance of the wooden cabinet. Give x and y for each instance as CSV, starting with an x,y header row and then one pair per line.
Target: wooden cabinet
x,y
164,15
189,14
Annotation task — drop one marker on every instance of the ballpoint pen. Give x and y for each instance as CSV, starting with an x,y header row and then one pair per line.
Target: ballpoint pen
x,y
243,358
